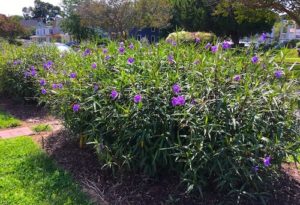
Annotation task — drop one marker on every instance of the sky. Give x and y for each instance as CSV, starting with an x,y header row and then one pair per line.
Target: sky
x,y
14,7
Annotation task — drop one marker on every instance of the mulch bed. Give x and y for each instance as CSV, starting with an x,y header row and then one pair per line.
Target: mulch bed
x,y
134,189
29,113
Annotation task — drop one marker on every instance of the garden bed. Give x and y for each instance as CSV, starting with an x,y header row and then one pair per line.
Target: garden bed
x,y
134,188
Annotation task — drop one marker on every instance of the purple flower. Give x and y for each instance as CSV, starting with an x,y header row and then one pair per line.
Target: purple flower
x,y
76,107
196,62
214,49
96,87
169,40
176,89
107,57
121,50
104,50
60,85
208,46
73,75
226,45
131,46
87,52
114,94
197,40
171,59
193,102
48,65
174,43
26,74
94,65
267,161
44,91
278,73
178,101
255,168
254,59
54,86
17,62
137,98
237,78
42,82
121,44
33,71
130,61
263,37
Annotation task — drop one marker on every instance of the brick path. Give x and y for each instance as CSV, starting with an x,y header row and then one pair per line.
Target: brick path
x,y
10,133
26,131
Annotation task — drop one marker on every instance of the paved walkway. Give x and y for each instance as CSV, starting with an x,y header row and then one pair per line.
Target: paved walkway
x,y
10,133
26,131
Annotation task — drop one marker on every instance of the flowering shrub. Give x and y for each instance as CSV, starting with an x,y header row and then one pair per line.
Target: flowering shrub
x,y
190,37
222,119
19,67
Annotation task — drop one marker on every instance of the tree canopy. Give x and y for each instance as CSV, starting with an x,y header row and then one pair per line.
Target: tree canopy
x,y
42,11
10,28
222,17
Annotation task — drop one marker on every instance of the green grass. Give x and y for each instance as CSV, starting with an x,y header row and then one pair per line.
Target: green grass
x,y
42,128
29,176
7,121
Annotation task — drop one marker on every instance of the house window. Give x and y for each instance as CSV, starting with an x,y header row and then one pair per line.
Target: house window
x,y
138,37
152,29
152,38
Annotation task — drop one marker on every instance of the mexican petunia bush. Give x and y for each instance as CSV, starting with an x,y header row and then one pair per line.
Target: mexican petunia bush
x,y
226,122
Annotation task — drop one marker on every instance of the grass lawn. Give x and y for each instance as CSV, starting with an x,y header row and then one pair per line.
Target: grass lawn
x,y
7,121
42,128
29,176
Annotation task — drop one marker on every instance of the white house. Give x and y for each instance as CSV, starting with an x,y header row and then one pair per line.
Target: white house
x,y
289,31
50,33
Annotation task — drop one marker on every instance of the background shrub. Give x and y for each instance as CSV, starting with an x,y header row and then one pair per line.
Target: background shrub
x,y
191,37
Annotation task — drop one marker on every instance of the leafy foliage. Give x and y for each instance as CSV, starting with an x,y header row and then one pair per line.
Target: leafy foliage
x,y
221,118
7,121
10,28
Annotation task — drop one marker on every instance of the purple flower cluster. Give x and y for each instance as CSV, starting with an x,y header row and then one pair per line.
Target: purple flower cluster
x,y
48,65
197,40
178,101
121,50
57,86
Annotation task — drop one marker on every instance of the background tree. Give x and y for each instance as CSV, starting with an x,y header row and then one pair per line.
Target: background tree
x,y
122,15
10,28
42,11
290,7
71,22
222,18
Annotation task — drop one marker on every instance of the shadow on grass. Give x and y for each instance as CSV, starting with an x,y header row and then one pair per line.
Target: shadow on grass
x,y
29,176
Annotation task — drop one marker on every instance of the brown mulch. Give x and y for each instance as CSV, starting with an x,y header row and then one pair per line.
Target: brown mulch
x,y
129,188
29,113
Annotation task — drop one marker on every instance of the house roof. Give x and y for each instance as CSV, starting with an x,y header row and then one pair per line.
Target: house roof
x,y
29,23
